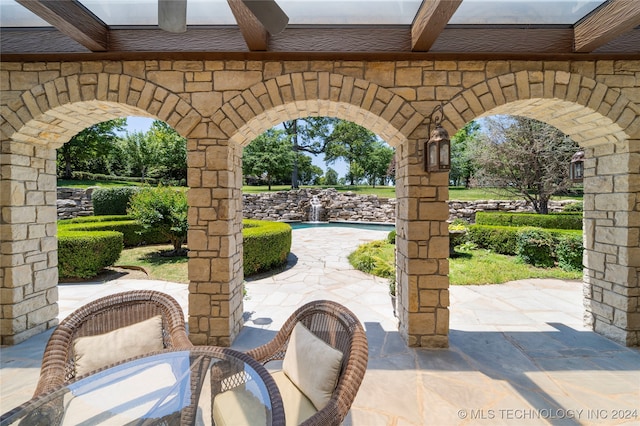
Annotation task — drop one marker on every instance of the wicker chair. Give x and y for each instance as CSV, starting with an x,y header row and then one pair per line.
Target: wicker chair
x,y
102,316
339,327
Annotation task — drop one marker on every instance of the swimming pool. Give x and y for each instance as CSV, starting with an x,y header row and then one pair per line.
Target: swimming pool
x,y
358,225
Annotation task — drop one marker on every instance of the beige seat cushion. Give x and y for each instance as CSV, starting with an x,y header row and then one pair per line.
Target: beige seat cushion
x,y
312,365
94,352
297,407
238,407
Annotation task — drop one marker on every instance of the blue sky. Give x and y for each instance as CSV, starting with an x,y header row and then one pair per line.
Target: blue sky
x,y
142,124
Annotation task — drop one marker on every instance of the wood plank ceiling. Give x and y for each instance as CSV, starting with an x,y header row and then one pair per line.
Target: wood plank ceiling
x,y
609,31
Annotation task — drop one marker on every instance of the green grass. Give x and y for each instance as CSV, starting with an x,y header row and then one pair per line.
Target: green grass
x,y
474,267
455,192
158,267
485,267
87,183
470,268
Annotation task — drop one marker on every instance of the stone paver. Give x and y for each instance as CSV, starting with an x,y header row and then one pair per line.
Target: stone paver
x,y
518,351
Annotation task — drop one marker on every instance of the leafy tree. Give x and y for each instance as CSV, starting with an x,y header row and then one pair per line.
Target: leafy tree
x,y
462,154
309,135
526,157
142,153
171,151
164,210
268,156
330,177
309,173
376,163
352,143
356,173
91,143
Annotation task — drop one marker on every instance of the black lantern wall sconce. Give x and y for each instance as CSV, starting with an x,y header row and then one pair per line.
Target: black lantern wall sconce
x,y
437,150
576,169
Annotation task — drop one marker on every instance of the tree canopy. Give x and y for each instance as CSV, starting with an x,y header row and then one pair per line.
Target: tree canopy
x,y
356,146
269,156
525,157
84,149
463,164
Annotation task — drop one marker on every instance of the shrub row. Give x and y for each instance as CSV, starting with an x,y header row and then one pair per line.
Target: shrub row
x,y
266,245
85,254
133,233
112,201
547,221
536,246
87,245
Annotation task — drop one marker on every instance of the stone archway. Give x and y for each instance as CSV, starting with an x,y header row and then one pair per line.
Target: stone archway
x,y
35,124
219,105
606,124
216,305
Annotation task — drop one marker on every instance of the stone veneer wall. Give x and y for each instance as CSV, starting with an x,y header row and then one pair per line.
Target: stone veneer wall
x,y
74,202
335,206
221,105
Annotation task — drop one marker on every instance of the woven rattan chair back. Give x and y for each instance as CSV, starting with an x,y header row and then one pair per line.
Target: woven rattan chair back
x,y
102,316
341,329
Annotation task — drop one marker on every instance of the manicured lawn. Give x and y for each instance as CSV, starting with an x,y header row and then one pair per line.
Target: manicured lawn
x,y
473,267
486,267
455,193
470,267
157,266
87,183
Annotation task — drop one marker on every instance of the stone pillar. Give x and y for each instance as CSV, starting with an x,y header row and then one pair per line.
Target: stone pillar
x,y
422,250
215,241
612,241
28,248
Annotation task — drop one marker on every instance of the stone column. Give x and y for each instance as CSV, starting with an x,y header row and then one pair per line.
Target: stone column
x,y
612,240
215,241
28,248
422,250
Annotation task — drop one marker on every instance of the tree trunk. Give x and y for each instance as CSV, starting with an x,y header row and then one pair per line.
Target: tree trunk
x,y
66,155
544,206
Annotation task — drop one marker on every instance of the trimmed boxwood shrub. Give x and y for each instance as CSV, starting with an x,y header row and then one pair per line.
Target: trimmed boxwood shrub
x,y
548,221
133,233
566,247
85,254
535,246
569,252
90,219
501,239
391,237
112,201
266,245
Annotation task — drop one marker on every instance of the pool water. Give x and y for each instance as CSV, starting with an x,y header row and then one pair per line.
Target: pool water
x,y
357,225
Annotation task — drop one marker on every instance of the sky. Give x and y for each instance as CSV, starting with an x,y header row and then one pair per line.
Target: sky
x,y
142,124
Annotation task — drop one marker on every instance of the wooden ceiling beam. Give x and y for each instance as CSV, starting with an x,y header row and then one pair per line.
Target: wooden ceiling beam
x,y
429,22
610,21
73,20
254,33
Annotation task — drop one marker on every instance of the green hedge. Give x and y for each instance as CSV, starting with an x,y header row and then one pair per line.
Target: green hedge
x,y
535,247
133,233
85,254
500,239
547,221
266,245
112,201
91,219
541,247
